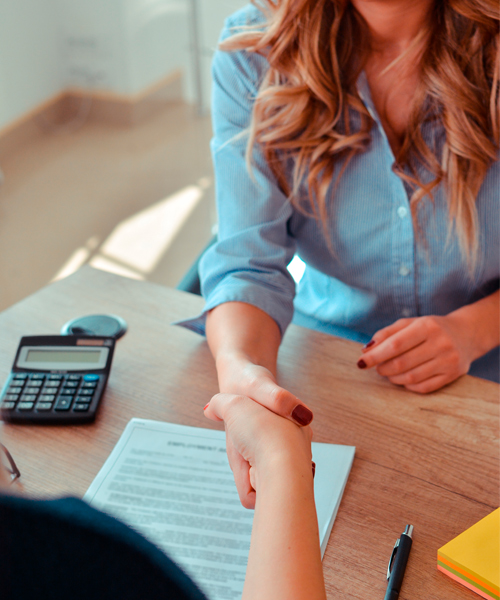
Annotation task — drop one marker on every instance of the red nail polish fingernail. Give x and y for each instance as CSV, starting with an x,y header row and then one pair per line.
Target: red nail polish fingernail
x,y
302,415
205,407
361,364
313,465
369,345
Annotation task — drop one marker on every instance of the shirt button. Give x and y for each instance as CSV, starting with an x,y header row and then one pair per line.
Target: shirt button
x,y
404,270
402,212
406,312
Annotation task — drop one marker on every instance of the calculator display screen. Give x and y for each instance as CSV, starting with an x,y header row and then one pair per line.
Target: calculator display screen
x,y
69,358
58,356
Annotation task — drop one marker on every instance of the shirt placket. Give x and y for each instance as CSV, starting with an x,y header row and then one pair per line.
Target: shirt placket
x,y
402,275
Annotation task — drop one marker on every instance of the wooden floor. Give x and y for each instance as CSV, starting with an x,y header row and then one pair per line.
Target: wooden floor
x,y
66,192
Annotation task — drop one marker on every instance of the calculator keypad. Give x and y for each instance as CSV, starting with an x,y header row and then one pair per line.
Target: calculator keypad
x,y
47,392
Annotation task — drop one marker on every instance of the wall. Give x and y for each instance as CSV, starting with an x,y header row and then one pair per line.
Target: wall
x,y
30,61
120,46
157,41
92,45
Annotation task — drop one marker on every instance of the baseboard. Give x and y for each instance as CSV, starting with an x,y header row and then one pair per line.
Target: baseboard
x,y
73,106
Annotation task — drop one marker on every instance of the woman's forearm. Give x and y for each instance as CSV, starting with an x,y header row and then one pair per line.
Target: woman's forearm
x,y
244,342
238,332
285,559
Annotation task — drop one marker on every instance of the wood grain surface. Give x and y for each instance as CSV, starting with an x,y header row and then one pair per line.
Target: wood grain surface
x,y
432,461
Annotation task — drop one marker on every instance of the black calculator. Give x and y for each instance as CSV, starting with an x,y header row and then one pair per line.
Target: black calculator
x,y
57,379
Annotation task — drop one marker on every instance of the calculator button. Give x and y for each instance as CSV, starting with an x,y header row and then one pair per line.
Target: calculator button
x,y
91,377
89,384
8,405
47,397
44,406
80,407
11,396
71,384
74,377
14,390
21,376
35,382
17,383
27,398
38,376
55,377
83,399
65,399
68,391
51,384
31,390
25,405
86,392
64,403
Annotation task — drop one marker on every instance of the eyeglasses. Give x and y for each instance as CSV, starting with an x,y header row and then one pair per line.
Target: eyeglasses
x,y
9,464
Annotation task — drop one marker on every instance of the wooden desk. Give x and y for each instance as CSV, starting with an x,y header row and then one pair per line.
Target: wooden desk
x,y
432,461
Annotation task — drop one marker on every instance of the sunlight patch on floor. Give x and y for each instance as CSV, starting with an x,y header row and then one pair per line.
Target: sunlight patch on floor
x,y
137,244
77,259
141,241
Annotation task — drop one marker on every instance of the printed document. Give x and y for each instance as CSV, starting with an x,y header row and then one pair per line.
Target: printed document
x,y
173,484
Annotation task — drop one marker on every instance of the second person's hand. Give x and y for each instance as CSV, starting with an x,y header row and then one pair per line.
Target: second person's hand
x,y
258,440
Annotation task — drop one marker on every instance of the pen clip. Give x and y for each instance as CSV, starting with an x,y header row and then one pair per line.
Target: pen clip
x,y
394,550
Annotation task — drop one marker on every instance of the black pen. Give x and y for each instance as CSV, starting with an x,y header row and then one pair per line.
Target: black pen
x,y
397,564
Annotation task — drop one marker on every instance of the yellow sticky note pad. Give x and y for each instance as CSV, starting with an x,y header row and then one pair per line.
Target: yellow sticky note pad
x,y
473,557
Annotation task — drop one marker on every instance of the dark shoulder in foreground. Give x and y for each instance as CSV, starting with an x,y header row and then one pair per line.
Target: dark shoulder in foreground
x,y
64,549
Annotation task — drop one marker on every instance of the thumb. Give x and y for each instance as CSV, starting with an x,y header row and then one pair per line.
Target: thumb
x,y
269,394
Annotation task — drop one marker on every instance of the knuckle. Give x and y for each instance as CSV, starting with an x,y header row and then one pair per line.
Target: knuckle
x,y
444,345
454,358
411,378
394,346
251,383
432,324
237,399
279,398
398,365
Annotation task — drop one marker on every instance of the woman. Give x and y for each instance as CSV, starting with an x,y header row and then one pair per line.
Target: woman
x,y
60,549
362,135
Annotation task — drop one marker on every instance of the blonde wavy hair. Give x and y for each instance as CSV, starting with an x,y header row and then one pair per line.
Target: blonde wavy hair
x,y
304,108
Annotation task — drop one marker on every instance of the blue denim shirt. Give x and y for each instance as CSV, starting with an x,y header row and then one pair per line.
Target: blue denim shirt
x,y
382,270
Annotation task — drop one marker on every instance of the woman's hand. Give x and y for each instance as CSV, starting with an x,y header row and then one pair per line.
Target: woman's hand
x,y
259,441
425,353
239,375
